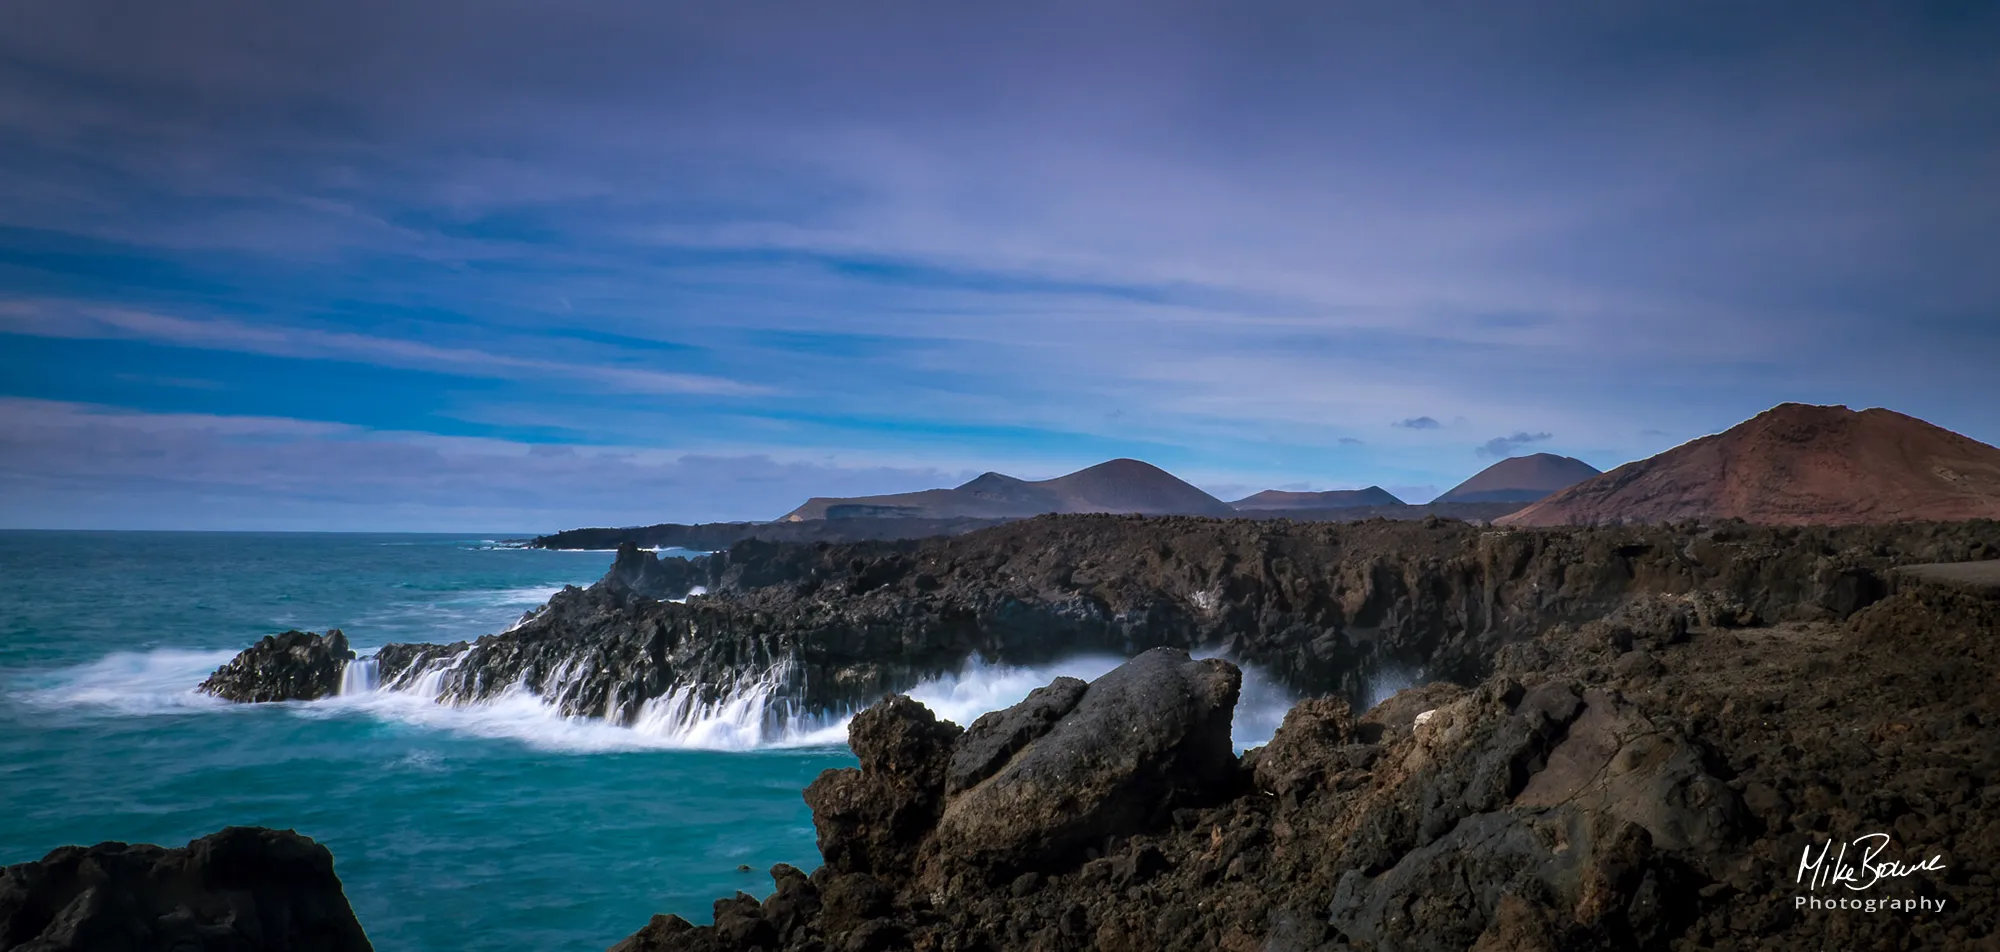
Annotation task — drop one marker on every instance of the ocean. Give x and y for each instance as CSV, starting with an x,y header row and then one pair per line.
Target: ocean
x,y
494,826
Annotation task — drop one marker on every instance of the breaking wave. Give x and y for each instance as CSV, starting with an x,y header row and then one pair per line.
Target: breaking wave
x,y
756,713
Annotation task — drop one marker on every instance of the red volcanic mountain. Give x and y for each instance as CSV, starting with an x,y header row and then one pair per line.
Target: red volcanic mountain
x,y
1121,485
1276,499
1794,465
1521,479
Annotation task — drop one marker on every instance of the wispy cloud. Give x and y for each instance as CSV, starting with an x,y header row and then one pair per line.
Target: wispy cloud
x,y
41,319
1504,446
202,470
879,230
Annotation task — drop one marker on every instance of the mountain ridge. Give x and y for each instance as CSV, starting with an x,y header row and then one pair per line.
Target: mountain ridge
x,y
1794,464
1521,479
1115,486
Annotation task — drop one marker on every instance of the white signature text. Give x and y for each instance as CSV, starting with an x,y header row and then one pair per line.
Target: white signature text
x,y
1830,868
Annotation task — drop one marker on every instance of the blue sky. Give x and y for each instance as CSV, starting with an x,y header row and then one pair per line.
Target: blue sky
x,y
516,266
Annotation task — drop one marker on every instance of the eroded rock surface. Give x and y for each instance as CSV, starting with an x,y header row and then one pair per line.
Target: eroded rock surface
x,y
1571,798
244,889
294,666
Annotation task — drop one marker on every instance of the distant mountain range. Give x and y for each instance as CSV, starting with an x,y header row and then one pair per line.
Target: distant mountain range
x,y
1132,486
1120,485
1521,479
1794,464
1275,499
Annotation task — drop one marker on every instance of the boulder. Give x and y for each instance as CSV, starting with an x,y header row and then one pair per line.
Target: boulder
x,y
294,666
872,819
998,735
243,889
1143,740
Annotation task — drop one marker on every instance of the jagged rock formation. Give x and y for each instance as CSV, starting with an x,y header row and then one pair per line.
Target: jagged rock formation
x,y
245,889
1278,499
1649,779
1794,465
1120,485
823,629
639,573
294,666
1521,479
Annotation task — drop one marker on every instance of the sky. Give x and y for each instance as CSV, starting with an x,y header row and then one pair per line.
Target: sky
x,y
521,265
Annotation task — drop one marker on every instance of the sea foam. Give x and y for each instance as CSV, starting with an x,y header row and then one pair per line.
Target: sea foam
x,y
161,681
753,715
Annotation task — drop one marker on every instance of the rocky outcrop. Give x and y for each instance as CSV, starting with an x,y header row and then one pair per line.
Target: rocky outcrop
x,y
1148,738
1649,779
244,889
294,666
877,816
637,572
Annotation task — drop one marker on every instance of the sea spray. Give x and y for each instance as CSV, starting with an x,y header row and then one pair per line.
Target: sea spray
x,y
1386,682
758,711
161,681
692,592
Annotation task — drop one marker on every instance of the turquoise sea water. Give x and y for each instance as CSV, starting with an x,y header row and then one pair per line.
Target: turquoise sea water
x,y
497,827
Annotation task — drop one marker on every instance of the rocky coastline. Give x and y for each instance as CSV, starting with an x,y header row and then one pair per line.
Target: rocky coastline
x,y
1632,736
1321,607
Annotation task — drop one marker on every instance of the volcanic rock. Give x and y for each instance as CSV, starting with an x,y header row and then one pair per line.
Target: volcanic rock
x,y
997,736
1556,802
872,819
1148,738
636,572
1521,479
1320,607
244,889
1794,465
294,666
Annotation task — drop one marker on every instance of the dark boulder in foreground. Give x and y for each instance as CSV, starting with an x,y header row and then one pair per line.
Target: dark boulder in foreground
x,y
294,666
1649,779
245,889
1149,737
874,818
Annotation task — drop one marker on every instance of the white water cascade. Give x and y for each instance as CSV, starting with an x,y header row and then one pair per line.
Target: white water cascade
x,y
754,712
360,676
759,710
